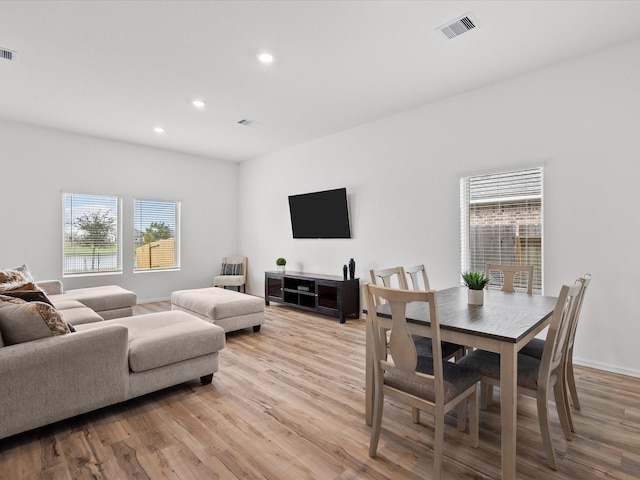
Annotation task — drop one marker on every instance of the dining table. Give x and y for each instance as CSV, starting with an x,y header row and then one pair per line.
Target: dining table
x,y
503,324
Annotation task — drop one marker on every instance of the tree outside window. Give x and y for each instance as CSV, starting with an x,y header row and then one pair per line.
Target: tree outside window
x,y
91,234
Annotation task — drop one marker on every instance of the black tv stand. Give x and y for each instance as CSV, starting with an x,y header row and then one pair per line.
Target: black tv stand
x,y
327,294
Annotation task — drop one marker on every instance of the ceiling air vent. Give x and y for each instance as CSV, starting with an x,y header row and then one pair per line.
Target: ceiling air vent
x,y
7,54
247,123
458,26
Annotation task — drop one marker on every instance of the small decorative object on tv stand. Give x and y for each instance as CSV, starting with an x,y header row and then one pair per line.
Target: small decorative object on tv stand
x,y
327,294
281,264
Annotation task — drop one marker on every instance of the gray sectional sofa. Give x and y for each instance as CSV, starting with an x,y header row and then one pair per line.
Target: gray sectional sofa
x,y
49,373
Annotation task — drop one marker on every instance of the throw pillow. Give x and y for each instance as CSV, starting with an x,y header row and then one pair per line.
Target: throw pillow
x,y
231,269
9,279
29,295
24,270
22,321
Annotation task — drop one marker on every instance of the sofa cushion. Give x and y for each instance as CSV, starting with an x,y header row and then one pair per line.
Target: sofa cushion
x,y
164,338
108,297
67,304
79,316
22,321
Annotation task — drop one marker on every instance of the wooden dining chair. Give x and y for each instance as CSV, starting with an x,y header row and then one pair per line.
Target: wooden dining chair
x,y
424,383
416,273
389,276
537,376
508,273
535,349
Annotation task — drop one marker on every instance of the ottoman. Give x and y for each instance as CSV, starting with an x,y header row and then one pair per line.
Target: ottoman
x,y
229,309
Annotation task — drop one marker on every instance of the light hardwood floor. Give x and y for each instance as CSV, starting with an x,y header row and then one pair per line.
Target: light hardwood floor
x,y
288,403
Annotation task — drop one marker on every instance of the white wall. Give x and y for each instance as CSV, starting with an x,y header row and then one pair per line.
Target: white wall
x,y
38,164
580,119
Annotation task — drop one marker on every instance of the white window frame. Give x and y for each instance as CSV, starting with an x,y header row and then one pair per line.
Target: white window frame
x,y
157,263
74,205
503,190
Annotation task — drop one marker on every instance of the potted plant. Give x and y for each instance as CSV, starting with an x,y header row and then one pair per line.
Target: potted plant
x,y
475,281
280,263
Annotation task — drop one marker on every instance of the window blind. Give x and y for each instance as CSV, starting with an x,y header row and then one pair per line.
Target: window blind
x,y
156,234
91,234
501,222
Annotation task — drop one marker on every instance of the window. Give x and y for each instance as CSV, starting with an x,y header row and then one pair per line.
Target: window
x,y
156,234
501,222
91,234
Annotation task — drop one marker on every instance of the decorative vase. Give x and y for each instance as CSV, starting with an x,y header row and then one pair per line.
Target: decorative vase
x,y
280,268
476,297
352,269
344,271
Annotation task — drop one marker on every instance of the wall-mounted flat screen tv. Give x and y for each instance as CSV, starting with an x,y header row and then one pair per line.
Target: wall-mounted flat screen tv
x,y
320,214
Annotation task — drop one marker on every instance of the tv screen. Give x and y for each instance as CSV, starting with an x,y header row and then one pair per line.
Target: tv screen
x,y
320,214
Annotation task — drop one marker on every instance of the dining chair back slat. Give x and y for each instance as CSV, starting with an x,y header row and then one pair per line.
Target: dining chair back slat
x,y
508,273
389,276
418,276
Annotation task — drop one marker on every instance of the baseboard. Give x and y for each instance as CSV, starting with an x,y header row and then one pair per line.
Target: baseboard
x,y
152,300
607,367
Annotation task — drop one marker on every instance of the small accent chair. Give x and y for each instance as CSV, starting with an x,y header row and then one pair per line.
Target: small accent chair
x,y
233,273
535,349
537,377
424,383
508,274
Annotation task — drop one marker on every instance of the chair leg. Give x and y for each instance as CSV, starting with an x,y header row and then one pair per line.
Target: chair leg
x,y
438,442
376,423
567,409
563,409
489,396
545,428
462,416
571,382
486,390
415,415
474,419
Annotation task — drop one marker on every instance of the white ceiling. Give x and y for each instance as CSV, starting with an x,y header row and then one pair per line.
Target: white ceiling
x,y
116,69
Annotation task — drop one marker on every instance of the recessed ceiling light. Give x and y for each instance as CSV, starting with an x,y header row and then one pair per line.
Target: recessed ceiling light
x,y
265,57
198,103
159,130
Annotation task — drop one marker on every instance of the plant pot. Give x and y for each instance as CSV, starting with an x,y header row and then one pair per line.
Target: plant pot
x,y
280,268
476,297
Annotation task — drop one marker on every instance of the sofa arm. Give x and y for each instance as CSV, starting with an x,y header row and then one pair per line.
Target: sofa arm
x,y
58,377
51,287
